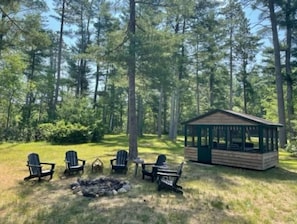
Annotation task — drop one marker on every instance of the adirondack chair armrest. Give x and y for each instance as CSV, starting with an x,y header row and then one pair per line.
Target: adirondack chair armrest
x,y
83,161
112,161
165,174
48,163
143,165
51,164
166,170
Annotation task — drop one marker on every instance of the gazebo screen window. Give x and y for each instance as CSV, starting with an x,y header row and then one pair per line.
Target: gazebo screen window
x,y
252,137
204,136
235,142
235,137
219,137
191,136
269,139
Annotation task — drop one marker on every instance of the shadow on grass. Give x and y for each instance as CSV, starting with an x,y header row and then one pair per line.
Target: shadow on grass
x,y
117,141
147,141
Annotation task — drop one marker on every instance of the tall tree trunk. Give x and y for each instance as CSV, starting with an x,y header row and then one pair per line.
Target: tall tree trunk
x,y
197,89
244,80
160,108
290,106
97,74
211,87
165,130
133,151
279,79
59,56
176,95
97,68
231,64
172,115
1,33
10,103
140,115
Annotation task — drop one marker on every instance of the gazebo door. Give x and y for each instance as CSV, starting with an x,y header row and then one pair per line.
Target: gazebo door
x,y
204,144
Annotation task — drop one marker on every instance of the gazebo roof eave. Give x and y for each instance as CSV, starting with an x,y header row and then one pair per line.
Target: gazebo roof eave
x,y
251,125
258,121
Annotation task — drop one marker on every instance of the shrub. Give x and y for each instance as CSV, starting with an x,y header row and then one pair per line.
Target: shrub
x,y
45,130
67,133
97,132
292,148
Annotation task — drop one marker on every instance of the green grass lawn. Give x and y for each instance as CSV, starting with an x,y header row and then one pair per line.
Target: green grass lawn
x,y
212,194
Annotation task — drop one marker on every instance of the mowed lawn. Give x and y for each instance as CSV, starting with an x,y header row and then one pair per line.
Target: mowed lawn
x,y
212,194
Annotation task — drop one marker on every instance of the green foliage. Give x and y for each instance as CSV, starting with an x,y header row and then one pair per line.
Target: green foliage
x,y
76,110
45,130
68,133
97,132
291,147
186,49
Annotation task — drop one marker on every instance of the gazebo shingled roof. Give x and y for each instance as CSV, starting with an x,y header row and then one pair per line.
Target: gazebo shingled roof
x,y
239,115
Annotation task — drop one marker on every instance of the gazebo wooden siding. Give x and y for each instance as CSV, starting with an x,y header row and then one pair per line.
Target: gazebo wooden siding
x,y
254,161
259,156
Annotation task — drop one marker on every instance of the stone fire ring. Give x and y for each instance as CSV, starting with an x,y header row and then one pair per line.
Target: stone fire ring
x,y
103,186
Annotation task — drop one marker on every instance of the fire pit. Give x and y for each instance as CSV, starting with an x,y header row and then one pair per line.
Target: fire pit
x,y
103,186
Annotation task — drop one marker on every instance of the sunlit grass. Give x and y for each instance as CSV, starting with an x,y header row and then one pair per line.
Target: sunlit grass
x,y
212,194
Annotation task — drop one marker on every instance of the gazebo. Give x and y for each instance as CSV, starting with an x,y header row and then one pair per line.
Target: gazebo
x,y
231,138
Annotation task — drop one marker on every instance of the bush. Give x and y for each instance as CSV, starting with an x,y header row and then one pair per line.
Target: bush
x,y
67,133
97,132
292,148
45,131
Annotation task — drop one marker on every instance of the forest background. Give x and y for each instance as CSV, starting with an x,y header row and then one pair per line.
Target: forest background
x,y
112,66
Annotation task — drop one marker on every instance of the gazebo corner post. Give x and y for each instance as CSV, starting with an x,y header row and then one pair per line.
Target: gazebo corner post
x,y
276,139
242,138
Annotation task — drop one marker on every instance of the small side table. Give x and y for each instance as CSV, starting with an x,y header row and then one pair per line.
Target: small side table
x,y
97,165
137,161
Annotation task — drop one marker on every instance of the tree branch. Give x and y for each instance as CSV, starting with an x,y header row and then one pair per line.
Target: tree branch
x,y
12,20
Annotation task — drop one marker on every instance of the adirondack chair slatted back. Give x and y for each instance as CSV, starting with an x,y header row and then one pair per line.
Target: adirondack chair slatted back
x,y
121,158
71,158
34,164
161,160
179,173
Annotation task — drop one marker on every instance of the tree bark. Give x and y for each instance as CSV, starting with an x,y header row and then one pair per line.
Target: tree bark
x,y
290,106
279,79
140,115
231,65
160,109
133,151
59,56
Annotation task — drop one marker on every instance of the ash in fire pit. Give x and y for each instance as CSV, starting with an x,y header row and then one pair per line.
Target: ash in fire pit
x,y
103,186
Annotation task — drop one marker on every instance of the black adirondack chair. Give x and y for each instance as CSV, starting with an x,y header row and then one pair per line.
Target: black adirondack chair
x,y
36,168
73,164
167,179
151,169
120,163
